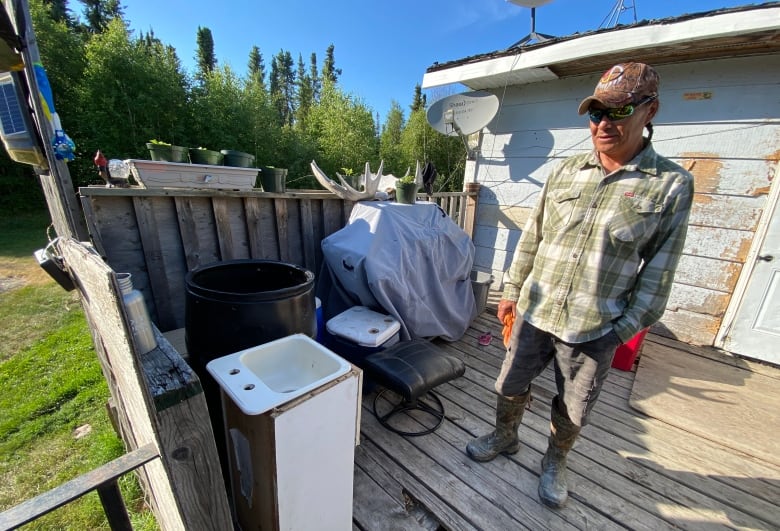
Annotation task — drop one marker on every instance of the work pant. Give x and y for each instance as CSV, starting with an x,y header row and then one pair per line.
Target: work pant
x,y
580,368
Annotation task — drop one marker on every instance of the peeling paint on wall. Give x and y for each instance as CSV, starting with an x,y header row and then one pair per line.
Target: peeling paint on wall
x,y
772,159
706,168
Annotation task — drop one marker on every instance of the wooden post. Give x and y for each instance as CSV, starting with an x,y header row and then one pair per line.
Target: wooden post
x,y
472,199
56,182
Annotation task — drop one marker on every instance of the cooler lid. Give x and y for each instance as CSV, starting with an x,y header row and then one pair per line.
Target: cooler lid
x,y
364,326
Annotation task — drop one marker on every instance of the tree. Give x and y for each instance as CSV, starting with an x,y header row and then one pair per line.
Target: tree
x,y
263,135
131,91
329,71
205,57
419,100
58,10
316,82
420,142
256,68
390,141
282,86
99,13
344,129
305,95
221,116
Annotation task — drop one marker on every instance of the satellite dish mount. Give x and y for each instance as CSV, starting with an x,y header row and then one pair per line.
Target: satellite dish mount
x,y
533,36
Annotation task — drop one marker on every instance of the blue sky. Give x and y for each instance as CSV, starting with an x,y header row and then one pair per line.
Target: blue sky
x,y
382,47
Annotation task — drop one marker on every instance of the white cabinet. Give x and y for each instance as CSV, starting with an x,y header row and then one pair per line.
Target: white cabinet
x,y
292,467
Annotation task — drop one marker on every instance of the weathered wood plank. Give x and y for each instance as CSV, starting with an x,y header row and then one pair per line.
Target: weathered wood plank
x,y
710,399
198,230
262,232
164,258
511,488
434,498
282,229
103,304
231,228
309,234
127,379
717,355
688,327
707,273
744,212
186,439
719,243
379,503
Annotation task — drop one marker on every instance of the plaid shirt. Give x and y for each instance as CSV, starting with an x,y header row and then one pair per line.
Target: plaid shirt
x,y
599,251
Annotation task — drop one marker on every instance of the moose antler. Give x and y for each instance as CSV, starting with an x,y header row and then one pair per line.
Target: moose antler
x,y
418,174
344,190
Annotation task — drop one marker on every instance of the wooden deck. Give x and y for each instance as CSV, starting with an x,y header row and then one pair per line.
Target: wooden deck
x,y
627,470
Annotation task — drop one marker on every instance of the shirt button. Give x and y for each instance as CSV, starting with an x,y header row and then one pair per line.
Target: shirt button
x,y
574,255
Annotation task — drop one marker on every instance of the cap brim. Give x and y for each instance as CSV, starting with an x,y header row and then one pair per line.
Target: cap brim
x,y
585,104
617,99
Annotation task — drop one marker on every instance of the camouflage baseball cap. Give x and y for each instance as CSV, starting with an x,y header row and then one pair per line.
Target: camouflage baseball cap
x,y
623,84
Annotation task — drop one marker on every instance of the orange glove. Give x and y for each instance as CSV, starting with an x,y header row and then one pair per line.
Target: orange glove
x,y
509,320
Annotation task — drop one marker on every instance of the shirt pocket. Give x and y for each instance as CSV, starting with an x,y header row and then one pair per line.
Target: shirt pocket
x,y
636,219
560,207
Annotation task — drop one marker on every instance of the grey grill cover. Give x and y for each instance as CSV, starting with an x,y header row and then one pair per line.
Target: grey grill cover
x,y
410,261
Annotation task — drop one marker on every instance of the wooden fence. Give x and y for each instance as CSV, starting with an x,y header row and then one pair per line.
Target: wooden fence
x,y
158,236
158,401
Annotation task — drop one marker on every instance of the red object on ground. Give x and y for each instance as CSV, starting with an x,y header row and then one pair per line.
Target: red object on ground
x,y
626,354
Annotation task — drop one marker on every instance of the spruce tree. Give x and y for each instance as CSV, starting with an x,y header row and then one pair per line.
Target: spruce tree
x,y
256,68
329,70
205,57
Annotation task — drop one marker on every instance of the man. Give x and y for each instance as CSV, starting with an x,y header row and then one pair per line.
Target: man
x,y
593,267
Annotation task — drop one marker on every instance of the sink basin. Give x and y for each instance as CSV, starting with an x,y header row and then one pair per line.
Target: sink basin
x,y
268,375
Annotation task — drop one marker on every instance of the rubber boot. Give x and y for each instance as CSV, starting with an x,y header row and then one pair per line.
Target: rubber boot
x,y
552,484
502,440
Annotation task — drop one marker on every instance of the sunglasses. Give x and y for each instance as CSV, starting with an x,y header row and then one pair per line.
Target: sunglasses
x,y
620,113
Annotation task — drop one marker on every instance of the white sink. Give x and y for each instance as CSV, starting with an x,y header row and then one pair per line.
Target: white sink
x,y
268,375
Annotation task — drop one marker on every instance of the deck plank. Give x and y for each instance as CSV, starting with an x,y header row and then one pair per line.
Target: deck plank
x,y
627,470
373,496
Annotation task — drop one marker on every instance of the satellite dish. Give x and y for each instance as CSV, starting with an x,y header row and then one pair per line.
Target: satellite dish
x,y
463,114
530,3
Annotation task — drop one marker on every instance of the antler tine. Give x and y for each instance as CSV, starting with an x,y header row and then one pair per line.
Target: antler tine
x,y
372,180
343,190
418,176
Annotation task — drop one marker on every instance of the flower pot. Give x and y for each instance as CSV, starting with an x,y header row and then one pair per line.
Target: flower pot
x,y
205,156
237,158
406,193
273,179
167,152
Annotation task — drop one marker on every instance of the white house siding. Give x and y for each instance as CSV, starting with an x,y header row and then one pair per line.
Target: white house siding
x,y
719,118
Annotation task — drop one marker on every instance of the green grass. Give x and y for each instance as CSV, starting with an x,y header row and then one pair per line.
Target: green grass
x,y
51,384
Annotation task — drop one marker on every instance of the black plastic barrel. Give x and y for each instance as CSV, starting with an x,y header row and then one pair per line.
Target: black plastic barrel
x,y
238,304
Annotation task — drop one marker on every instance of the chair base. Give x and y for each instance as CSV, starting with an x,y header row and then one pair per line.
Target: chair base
x,y
435,411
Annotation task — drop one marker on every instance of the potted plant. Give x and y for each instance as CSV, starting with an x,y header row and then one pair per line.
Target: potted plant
x,y
237,159
273,179
165,152
201,155
406,190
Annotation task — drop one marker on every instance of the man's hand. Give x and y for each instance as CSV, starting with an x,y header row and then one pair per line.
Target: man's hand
x,y
506,307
